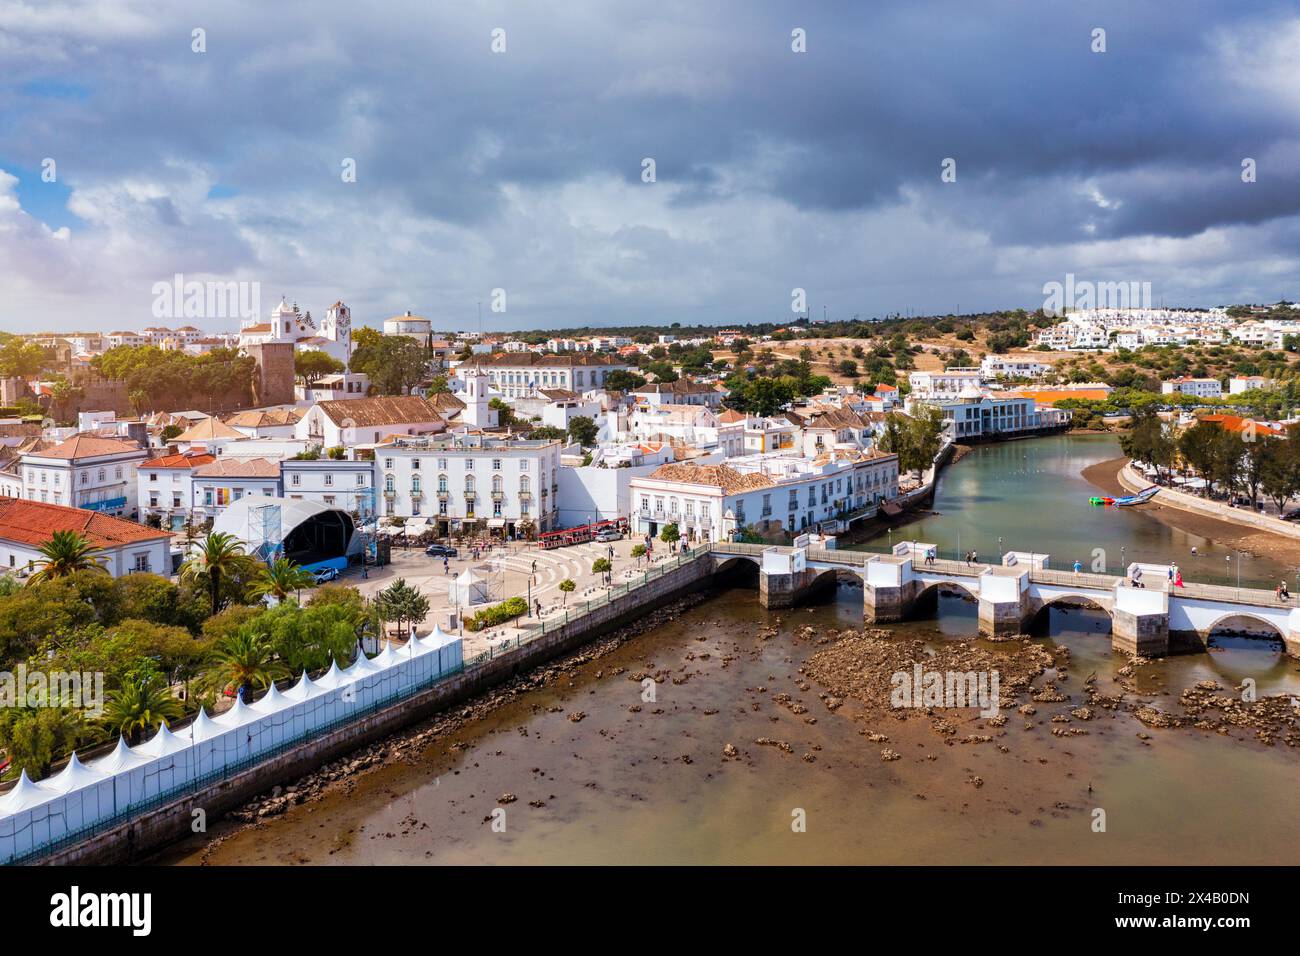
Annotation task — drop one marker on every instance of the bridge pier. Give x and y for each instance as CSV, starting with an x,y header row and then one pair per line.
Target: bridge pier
x,y
784,579
1003,600
889,589
1140,622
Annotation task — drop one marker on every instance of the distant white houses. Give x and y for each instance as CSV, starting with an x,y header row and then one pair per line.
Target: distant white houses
x,y
362,421
88,472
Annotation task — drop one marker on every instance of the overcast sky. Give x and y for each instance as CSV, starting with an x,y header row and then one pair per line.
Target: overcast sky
x,y
522,170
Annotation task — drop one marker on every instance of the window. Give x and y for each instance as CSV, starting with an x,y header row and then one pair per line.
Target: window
x,y
118,472
361,479
442,482
389,484
415,484
469,464
329,499
525,485
103,474
296,480
496,509
496,464
523,464
469,484
388,463
153,476
142,561
442,464
496,485
415,464
329,479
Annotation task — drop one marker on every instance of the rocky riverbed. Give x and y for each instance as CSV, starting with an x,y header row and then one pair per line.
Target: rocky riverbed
x,y
695,735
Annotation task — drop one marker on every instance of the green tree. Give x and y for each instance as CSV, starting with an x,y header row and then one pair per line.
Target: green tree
x,y
141,704
394,363
583,430
281,578
65,553
312,365
214,557
567,587
243,660
670,534
34,737
401,603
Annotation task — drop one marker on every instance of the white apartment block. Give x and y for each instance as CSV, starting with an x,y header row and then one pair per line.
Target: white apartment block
x,y
1197,387
222,482
519,374
949,383
470,482
785,493
1245,383
1002,366
165,487
994,414
346,484
95,474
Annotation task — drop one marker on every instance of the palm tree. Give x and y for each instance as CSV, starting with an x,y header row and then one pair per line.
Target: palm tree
x,y
216,555
65,553
244,659
281,578
141,704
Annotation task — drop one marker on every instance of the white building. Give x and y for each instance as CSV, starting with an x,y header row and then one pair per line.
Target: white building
x,y
946,384
165,487
998,414
346,484
288,324
470,482
361,421
97,474
227,480
1245,383
517,374
122,547
1002,366
1197,387
787,494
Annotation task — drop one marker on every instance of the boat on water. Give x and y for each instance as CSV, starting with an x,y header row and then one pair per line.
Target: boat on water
x,y
1146,494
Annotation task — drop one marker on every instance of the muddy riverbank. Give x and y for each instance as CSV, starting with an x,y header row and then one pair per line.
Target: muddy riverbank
x,y
705,738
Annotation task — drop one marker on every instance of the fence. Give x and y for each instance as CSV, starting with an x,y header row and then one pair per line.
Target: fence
x,y
37,819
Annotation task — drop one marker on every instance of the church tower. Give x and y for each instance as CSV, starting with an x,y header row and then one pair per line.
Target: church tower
x,y
477,413
337,327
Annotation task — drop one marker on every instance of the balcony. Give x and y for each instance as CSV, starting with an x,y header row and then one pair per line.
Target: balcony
x,y
498,496
390,494
525,496
106,504
470,495
443,494
416,494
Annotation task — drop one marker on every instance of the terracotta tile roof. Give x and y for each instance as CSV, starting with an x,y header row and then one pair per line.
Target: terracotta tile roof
x,y
731,416
1235,423
208,429
89,446
445,403
186,460
34,523
683,386
724,477
264,419
559,394
239,468
384,410
1050,396
256,329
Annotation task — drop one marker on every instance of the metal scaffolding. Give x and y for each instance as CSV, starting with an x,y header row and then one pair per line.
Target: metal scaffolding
x,y
266,532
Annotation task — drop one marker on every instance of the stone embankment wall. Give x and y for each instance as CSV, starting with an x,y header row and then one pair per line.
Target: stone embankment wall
x,y
1181,500
173,821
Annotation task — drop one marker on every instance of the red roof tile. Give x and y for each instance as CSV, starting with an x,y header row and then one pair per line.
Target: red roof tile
x,y
34,522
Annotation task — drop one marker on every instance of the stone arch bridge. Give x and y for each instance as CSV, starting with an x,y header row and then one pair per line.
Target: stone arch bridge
x,y
1150,621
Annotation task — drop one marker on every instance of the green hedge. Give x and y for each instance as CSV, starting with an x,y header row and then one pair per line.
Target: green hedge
x,y
505,611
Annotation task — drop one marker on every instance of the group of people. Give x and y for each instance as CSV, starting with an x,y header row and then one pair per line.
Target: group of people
x,y
972,557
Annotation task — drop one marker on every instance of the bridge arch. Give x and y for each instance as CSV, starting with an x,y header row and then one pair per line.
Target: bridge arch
x,y
1272,626
928,587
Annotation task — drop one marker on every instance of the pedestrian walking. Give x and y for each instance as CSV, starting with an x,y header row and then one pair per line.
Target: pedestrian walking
x,y
1077,567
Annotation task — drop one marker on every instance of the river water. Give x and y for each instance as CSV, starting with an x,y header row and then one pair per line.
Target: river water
x,y
644,782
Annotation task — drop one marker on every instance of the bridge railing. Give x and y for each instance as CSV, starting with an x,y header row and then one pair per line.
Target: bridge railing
x,y
1070,579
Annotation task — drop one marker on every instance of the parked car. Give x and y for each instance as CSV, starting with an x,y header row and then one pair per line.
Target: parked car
x,y
440,551
326,574
609,534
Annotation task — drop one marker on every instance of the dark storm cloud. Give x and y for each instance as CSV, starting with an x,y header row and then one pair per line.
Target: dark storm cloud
x,y
1053,143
